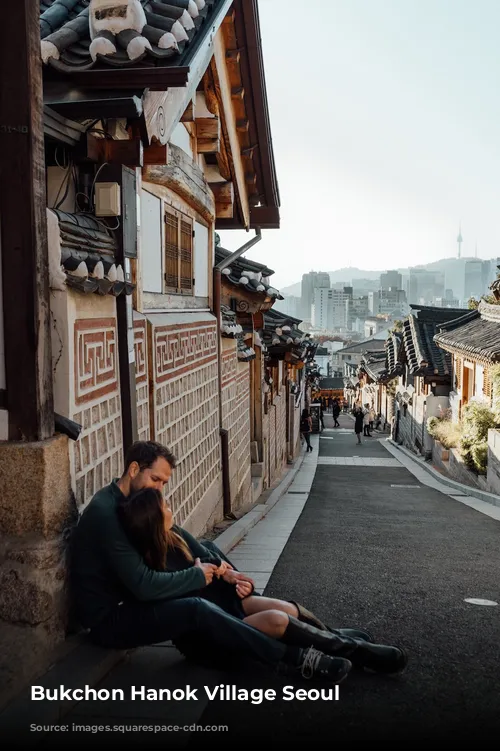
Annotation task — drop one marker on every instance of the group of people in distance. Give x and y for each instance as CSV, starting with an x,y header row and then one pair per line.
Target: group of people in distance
x,y
140,579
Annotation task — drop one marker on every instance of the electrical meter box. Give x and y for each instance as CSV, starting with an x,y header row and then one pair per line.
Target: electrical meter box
x,y
107,199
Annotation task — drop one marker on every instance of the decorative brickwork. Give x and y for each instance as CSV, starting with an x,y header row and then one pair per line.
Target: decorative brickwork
x,y
179,349
236,419
97,455
96,361
186,408
141,378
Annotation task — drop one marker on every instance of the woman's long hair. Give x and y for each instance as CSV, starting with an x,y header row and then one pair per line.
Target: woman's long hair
x,y
305,413
142,516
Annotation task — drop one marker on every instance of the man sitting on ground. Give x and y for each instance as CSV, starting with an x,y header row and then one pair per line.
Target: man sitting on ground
x,y
125,603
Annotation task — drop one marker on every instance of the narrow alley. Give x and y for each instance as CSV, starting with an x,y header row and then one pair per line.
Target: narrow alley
x,y
361,542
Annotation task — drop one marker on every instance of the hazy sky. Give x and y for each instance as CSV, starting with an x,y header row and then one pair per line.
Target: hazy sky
x,y
385,117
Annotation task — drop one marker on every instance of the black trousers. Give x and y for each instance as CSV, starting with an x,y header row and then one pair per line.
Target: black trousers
x,y
136,624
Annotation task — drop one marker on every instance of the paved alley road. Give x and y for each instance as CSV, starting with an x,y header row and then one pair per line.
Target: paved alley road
x,y
374,548
360,542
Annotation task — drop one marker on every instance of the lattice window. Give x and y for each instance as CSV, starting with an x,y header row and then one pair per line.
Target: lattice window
x,y
178,253
487,384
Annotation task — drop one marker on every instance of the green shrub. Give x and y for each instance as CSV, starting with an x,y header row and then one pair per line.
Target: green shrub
x,y
446,432
476,421
479,455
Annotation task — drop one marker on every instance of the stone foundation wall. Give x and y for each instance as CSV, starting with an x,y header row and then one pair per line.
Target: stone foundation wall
x,y
37,512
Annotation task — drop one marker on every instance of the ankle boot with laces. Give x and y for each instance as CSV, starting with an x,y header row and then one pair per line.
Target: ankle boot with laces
x,y
314,665
377,658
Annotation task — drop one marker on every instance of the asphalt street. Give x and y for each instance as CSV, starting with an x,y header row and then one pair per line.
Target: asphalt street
x,y
372,548
369,552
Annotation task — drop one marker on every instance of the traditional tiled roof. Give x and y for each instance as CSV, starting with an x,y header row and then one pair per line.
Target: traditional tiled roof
x,y
423,355
230,328
281,333
475,334
364,346
374,366
152,33
87,251
336,383
247,274
392,355
229,324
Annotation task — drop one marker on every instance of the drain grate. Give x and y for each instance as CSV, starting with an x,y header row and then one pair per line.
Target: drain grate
x,y
297,492
405,486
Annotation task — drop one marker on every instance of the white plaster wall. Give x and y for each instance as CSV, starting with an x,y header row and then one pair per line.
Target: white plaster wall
x,y
181,138
151,239
200,260
56,190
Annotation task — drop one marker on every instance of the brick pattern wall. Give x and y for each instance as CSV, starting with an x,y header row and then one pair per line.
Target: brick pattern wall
x,y
185,408
141,378
97,455
236,419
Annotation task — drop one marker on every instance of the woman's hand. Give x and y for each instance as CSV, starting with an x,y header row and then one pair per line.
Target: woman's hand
x,y
244,589
208,569
236,577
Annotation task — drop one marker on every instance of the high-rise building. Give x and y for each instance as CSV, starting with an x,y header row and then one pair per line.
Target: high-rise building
x,y
311,281
473,279
424,286
391,280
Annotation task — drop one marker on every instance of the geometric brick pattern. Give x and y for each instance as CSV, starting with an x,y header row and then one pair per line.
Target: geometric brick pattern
x,y
141,379
236,420
97,455
186,410
179,348
96,371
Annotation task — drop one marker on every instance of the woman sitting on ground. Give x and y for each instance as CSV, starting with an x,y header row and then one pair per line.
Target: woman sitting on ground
x,y
148,524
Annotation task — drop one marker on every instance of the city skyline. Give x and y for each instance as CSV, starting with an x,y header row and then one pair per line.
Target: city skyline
x,y
400,152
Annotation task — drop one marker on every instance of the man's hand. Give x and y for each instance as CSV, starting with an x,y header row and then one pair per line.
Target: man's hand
x,y
223,568
208,569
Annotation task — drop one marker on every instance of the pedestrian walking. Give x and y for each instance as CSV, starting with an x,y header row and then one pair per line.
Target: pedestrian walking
x,y
306,427
358,422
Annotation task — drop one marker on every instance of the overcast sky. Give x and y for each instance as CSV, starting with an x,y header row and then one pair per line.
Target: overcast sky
x,y
385,117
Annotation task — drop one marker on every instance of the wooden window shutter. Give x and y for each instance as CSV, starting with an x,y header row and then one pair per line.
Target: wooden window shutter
x,y
458,372
171,252
487,384
186,257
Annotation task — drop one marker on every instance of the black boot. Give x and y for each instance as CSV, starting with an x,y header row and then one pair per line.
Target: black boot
x,y
306,616
378,658
313,664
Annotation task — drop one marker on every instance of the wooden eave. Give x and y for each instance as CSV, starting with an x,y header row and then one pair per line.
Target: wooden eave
x,y
246,302
244,60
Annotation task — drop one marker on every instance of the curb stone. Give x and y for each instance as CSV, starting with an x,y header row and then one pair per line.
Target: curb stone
x,y
468,490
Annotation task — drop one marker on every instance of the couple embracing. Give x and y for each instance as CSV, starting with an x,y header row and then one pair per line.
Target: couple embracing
x,y
139,579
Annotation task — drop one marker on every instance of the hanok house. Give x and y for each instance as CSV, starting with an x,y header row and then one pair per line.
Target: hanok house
x,y
284,351
246,295
389,380
473,342
126,140
425,381
372,371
